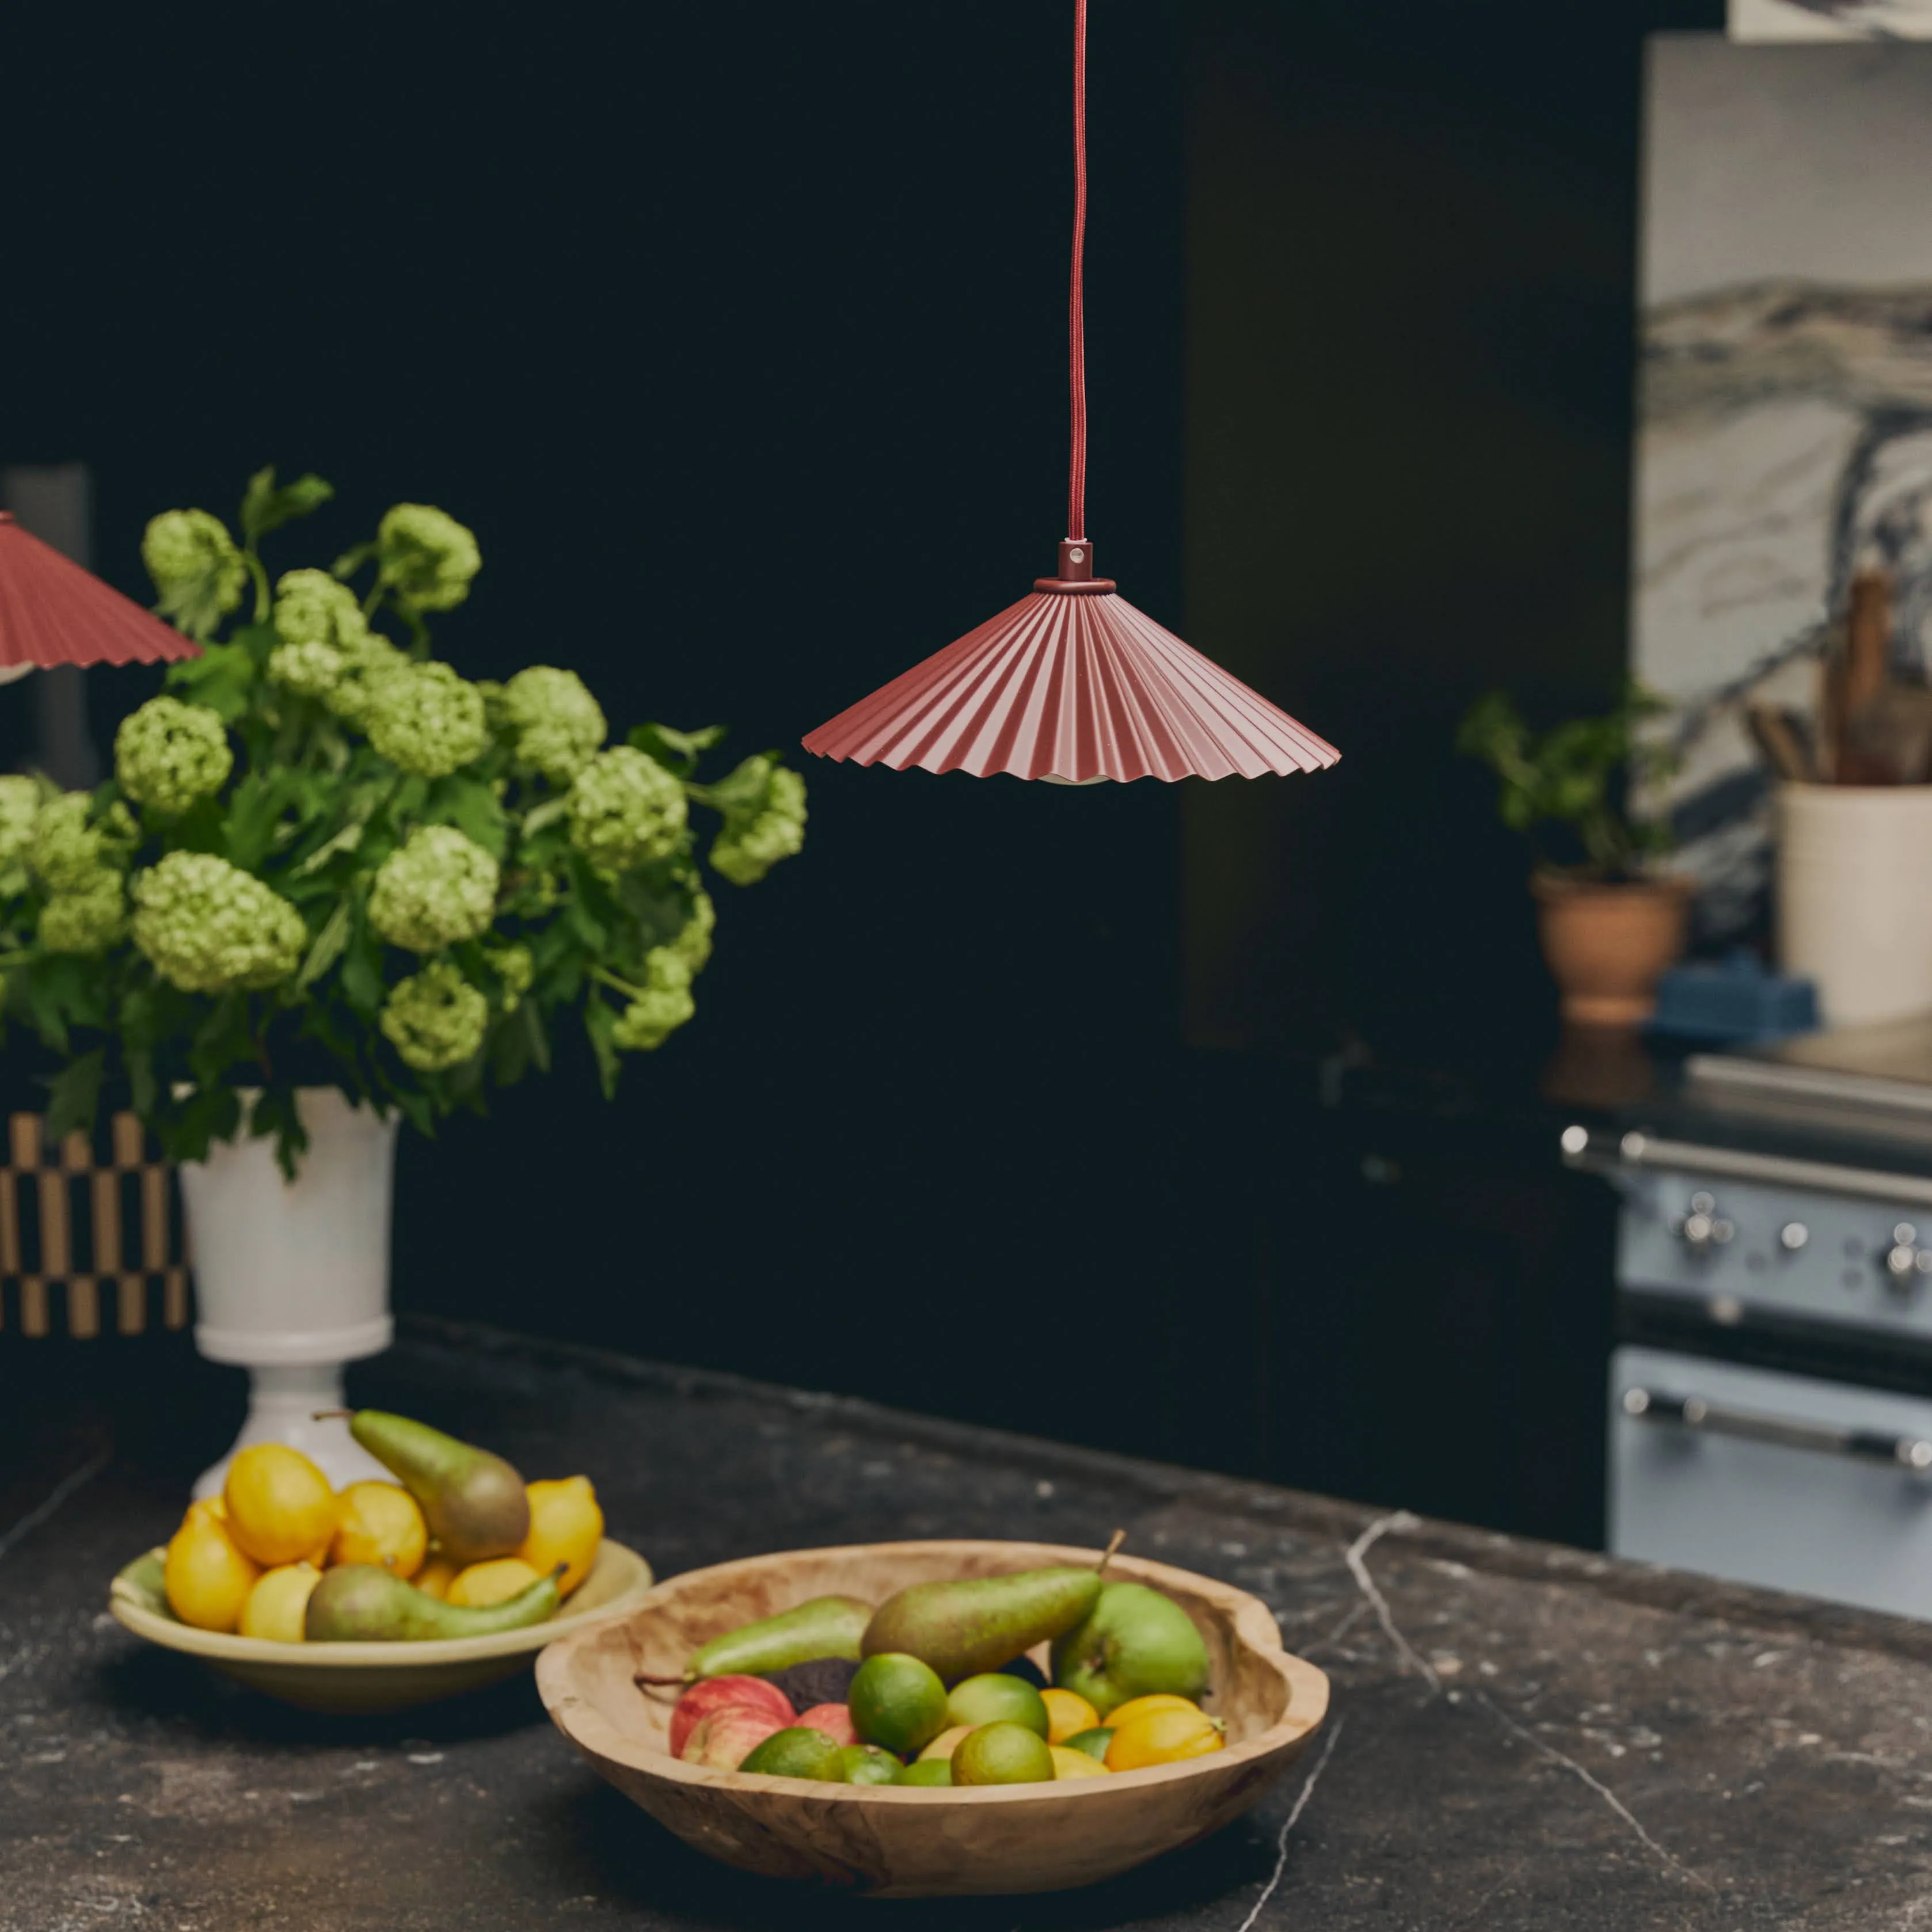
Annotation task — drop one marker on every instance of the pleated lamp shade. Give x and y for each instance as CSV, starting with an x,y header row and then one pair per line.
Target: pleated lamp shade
x,y
1072,684
53,612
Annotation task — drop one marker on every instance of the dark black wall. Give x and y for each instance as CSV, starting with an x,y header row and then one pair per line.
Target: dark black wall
x,y
1411,233
738,335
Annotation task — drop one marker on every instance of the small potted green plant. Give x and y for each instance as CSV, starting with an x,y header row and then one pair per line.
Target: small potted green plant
x,y
1610,919
333,884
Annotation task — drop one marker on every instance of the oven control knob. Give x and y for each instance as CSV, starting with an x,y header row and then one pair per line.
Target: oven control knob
x,y
1906,1263
1703,1229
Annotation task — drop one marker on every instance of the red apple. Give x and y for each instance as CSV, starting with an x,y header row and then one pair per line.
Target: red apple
x,y
717,1694
725,1738
834,1720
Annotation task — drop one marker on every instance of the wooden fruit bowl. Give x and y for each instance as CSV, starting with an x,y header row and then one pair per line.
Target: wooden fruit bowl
x,y
366,1677
907,1843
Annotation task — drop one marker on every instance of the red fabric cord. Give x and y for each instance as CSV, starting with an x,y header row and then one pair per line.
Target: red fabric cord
x,y
1076,319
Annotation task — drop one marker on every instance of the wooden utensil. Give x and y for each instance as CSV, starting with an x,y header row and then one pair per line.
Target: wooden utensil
x,y
1779,737
900,1842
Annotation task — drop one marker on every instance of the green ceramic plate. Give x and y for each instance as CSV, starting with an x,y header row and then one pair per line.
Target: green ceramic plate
x,y
373,1676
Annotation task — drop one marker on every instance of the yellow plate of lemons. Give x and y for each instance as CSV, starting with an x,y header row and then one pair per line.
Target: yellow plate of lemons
x,y
384,1594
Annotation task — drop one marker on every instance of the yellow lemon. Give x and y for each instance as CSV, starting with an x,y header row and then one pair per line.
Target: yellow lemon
x,y
280,1504
1074,1764
1139,1707
208,1579
566,1526
491,1582
379,1522
275,1605
1068,1713
1164,1737
945,1745
436,1576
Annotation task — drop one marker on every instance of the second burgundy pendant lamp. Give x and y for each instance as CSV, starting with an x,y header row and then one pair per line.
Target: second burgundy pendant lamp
x,y
1072,684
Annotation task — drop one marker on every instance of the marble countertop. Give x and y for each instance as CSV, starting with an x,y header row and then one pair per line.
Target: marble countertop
x,y
1523,1737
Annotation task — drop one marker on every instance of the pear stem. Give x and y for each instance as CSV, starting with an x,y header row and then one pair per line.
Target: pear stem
x,y
331,1415
1119,1537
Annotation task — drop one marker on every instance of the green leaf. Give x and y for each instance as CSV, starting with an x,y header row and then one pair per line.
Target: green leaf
x,y
275,1112
222,679
248,830
75,1095
745,789
265,508
677,752
600,1022
363,985
351,561
140,1064
473,809
329,943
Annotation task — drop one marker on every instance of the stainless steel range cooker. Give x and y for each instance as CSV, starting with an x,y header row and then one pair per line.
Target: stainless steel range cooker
x,y
1770,1400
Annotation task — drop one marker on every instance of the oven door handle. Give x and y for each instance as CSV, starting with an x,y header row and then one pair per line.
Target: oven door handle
x,y
1693,1411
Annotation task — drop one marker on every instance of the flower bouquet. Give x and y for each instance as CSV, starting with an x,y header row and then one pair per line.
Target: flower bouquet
x,y
326,858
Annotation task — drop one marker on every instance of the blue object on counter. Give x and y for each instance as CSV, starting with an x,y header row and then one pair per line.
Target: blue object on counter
x,y
1734,998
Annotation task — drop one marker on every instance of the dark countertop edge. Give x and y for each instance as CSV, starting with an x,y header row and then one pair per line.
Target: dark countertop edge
x,y
1650,1586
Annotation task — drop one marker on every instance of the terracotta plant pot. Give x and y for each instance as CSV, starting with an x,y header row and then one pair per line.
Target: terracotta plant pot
x,y
1608,944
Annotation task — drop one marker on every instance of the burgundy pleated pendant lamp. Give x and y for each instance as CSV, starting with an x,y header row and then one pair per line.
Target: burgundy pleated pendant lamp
x,y
53,612
1072,684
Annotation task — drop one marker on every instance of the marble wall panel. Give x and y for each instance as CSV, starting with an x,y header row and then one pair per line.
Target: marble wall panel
x,y
1785,429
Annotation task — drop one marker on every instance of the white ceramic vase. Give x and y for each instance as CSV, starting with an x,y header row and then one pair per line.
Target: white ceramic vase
x,y
1855,897
291,1278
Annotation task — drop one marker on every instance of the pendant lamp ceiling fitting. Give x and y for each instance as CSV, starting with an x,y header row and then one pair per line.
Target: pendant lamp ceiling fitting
x,y
1072,684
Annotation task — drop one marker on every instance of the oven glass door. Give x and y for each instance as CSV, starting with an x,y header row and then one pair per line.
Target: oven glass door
x,y
1777,1480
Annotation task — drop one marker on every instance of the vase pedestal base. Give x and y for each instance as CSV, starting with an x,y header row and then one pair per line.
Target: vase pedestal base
x,y
282,1404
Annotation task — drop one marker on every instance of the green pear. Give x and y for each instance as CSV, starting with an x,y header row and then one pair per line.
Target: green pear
x,y
819,1627
474,1502
363,1603
977,1624
1135,1642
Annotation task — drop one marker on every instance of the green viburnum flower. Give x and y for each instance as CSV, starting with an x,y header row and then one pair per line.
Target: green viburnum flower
x,y
88,922
514,966
425,719
19,806
66,853
312,608
196,568
426,557
167,755
693,944
625,810
321,626
437,888
554,725
310,669
208,925
365,665
435,1019
663,1006
752,843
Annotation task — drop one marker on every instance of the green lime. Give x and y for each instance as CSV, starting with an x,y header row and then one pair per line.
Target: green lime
x,y
928,1771
866,1764
1002,1754
1094,1743
798,1752
898,1701
996,1699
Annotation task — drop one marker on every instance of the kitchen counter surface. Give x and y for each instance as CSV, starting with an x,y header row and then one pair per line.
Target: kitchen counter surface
x,y
1522,1736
